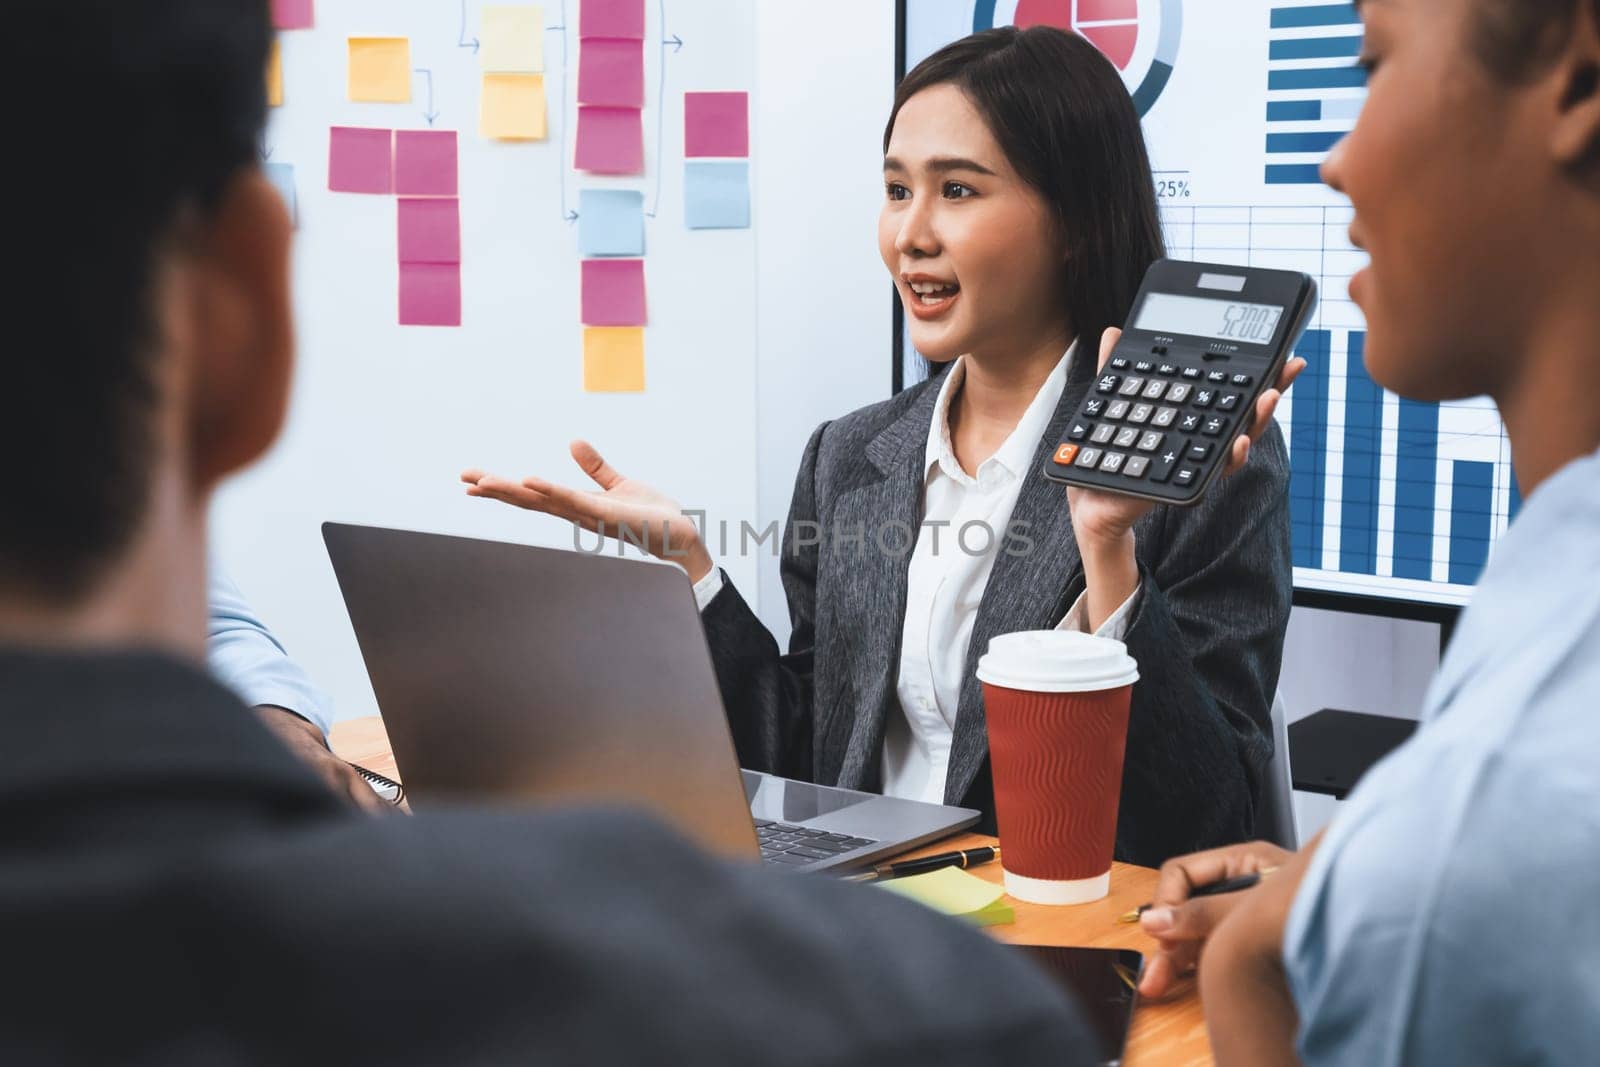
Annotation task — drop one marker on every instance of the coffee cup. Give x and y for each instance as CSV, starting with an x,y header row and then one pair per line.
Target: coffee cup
x,y
1057,708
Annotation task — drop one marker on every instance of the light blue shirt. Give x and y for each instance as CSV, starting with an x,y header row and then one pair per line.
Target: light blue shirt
x,y
245,657
1452,913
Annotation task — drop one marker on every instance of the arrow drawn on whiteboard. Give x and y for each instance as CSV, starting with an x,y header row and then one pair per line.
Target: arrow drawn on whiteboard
x,y
569,216
661,100
429,114
461,38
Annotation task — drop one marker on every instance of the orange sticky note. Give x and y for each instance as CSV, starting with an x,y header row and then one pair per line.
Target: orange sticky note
x,y
380,70
512,107
275,76
613,359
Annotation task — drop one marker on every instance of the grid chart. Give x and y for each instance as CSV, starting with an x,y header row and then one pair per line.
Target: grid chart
x,y
1314,87
1388,497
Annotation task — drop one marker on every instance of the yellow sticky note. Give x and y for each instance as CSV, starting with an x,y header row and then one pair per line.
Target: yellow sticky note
x,y
275,76
380,69
512,107
613,359
511,39
954,891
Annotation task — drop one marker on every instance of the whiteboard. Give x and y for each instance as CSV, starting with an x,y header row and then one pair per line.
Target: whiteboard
x,y
384,417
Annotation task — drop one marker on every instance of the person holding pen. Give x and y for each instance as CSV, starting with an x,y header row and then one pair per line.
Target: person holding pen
x,y
245,656
1019,218
1448,914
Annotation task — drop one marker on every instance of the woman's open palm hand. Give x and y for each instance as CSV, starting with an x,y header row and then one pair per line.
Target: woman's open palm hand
x,y
622,509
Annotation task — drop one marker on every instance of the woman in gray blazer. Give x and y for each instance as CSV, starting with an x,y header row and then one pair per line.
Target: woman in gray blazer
x,y
1018,221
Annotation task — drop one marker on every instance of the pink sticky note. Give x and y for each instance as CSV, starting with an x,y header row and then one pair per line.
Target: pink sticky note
x,y
716,124
430,231
611,72
360,160
430,294
610,140
425,162
612,18
613,292
291,14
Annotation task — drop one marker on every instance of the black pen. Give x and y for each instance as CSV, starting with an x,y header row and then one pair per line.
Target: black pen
x,y
1227,885
966,858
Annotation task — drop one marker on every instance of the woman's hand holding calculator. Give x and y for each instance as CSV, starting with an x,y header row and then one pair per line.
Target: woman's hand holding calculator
x,y
1104,517
1103,521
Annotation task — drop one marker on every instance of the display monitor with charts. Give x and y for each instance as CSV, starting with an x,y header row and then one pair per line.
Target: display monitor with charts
x,y
1396,504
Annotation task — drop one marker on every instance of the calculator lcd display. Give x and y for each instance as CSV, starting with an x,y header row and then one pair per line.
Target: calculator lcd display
x,y
1224,320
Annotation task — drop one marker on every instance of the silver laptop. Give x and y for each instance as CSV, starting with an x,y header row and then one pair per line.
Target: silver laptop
x,y
533,675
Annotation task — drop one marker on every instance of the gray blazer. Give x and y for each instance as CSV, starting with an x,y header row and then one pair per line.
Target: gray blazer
x,y
1208,632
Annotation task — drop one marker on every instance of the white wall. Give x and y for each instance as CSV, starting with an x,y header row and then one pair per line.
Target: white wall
x,y
823,294
1353,663
1336,660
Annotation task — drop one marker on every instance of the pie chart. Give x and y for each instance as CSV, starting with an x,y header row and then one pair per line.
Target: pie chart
x,y
1115,27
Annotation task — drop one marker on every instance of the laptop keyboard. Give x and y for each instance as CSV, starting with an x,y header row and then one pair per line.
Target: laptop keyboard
x,y
796,845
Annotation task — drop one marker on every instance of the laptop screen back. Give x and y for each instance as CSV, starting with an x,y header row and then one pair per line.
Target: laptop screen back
x,y
530,675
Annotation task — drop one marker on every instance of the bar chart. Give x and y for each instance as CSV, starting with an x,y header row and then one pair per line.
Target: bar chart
x,y
1314,87
1388,497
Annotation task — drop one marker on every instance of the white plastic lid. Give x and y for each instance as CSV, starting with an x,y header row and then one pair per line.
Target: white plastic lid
x,y
1057,661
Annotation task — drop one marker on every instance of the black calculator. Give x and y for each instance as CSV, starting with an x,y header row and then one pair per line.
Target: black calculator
x,y
1202,344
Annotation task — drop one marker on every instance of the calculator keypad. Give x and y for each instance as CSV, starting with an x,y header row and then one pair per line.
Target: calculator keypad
x,y
1157,423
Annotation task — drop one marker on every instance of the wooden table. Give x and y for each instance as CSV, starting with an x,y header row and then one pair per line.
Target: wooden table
x,y
1171,1032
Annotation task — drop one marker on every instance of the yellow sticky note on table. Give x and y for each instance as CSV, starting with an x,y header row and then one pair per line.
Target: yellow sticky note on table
x,y
511,39
512,107
275,75
613,359
956,892
380,70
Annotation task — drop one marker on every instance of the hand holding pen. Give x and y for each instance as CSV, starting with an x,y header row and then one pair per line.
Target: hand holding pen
x,y
1212,889
1189,902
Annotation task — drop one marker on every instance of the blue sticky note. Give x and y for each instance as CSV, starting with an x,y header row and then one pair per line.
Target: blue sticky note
x,y
610,222
716,196
282,176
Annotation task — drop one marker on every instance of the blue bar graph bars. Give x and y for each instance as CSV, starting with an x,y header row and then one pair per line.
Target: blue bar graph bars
x,y
1471,516
1348,76
1363,451
1308,449
1406,508
1416,477
1294,111
1313,50
1316,48
1318,141
1294,174
1342,15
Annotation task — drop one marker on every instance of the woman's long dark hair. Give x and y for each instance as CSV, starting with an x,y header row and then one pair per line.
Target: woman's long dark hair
x,y
1065,121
